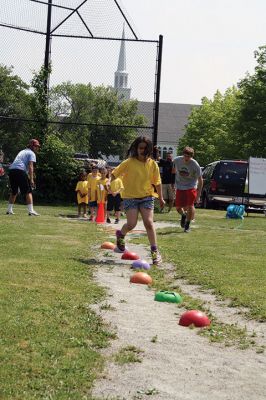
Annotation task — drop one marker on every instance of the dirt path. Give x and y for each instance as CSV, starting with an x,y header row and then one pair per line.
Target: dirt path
x,y
176,362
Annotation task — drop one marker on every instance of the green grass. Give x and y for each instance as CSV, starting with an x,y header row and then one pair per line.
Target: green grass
x,y
50,339
225,255
49,336
128,354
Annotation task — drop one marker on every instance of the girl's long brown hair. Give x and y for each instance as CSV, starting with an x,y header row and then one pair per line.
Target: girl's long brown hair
x,y
133,149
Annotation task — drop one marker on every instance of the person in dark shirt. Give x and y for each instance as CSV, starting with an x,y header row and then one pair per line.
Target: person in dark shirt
x,y
168,179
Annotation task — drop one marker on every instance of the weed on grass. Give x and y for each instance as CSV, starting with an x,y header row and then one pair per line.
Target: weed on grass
x,y
107,306
128,354
145,392
154,339
229,334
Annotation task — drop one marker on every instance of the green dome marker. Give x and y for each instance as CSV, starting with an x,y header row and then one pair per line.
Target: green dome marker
x,y
170,297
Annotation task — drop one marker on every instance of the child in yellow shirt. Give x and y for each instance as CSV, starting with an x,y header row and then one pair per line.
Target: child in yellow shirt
x,y
140,176
82,194
114,199
101,188
93,178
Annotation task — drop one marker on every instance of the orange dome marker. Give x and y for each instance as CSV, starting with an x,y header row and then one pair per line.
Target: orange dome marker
x,y
108,245
142,278
194,317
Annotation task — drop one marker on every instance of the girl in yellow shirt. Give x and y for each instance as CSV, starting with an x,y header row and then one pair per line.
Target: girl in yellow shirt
x,y
82,194
101,189
92,185
140,175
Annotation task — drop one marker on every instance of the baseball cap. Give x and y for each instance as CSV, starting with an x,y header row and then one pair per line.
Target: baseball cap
x,y
34,142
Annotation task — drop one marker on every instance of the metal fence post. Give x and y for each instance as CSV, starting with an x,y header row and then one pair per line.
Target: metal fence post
x,y
157,90
47,48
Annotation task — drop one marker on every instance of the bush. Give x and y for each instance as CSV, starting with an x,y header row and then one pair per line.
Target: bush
x,y
57,171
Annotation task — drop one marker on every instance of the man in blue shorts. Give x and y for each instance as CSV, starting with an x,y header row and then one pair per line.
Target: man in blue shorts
x,y
21,176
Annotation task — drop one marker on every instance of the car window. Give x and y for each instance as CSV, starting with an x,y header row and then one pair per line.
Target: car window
x,y
207,172
232,171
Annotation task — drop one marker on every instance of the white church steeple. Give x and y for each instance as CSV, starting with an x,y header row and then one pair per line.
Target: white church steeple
x,y
121,75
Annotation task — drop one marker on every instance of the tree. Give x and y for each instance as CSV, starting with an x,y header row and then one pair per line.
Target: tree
x,y
211,128
252,120
56,170
39,101
97,107
14,102
233,125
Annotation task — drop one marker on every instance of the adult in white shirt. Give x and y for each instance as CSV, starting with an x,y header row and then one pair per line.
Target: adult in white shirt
x,y
21,176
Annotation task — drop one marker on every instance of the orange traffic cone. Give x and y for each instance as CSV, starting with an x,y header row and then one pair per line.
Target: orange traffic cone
x,y
100,214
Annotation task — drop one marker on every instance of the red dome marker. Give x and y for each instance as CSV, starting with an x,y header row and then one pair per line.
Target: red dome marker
x,y
194,317
128,255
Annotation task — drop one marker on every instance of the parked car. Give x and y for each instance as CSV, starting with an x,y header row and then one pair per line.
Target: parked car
x,y
113,164
225,182
86,161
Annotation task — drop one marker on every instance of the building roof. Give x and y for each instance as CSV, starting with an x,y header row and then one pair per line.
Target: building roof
x,y
172,119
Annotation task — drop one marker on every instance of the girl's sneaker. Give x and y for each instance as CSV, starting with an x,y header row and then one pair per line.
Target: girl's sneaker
x,y
120,242
187,227
156,257
183,221
116,221
108,221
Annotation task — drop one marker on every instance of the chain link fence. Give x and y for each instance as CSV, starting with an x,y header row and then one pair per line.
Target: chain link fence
x,y
101,75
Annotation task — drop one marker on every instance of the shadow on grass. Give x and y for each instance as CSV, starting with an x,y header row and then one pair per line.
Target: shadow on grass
x,y
68,215
169,232
93,261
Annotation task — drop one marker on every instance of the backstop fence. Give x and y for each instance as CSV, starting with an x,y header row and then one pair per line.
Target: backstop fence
x,y
104,81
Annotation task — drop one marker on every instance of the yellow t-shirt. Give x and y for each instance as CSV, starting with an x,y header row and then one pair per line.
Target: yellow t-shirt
x,y
82,186
138,177
116,185
101,190
92,185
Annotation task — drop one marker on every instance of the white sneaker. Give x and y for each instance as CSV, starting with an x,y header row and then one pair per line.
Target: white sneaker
x,y
34,214
10,213
156,257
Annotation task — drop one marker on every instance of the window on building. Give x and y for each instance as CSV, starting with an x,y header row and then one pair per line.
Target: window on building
x,y
170,150
164,152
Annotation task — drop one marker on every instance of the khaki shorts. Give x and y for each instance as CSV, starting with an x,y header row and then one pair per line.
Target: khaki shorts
x,y
168,192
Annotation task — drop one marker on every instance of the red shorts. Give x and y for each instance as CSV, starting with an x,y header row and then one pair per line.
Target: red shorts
x,y
185,198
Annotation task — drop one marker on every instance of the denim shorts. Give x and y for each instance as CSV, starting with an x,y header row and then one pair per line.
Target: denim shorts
x,y
145,202
93,203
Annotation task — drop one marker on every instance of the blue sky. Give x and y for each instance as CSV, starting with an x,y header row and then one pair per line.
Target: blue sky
x,y
208,44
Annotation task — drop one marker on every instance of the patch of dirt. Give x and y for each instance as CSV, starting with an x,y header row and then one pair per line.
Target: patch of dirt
x,y
176,363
